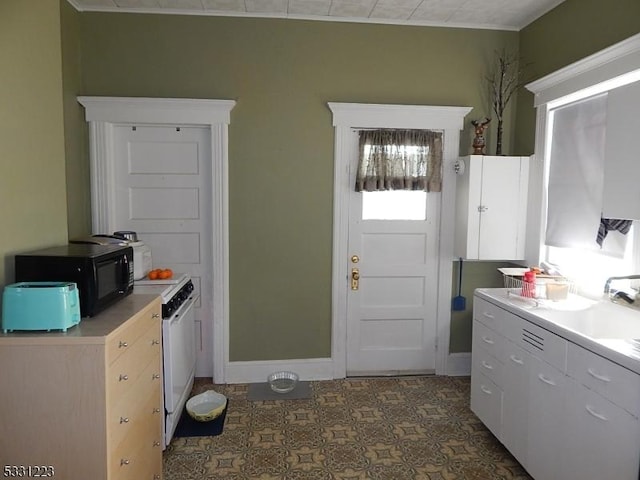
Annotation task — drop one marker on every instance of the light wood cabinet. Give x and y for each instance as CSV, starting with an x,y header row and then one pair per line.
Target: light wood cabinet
x,y
87,402
491,208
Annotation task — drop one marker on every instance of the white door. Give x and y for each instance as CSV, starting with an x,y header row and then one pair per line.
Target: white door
x,y
163,192
392,305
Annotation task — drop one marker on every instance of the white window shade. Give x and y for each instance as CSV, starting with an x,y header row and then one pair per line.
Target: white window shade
x,y
576,170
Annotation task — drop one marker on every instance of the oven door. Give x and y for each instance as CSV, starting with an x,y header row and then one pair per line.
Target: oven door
x,y
179,355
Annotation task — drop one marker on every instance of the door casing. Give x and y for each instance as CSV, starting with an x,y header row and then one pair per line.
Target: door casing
x,y
349,116
103,113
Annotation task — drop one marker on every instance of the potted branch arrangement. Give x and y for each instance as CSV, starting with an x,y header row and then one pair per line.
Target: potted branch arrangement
x,y
504,81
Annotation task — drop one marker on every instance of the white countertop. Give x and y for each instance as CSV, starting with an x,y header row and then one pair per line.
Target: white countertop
x,y
602,327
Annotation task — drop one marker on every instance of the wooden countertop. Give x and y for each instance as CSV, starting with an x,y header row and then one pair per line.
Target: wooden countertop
x,y
90,330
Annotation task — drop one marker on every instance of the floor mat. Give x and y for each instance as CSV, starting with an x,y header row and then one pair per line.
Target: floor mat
x,y
262,391
188,427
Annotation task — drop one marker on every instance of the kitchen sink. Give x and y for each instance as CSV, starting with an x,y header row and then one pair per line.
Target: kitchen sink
x,y
600,320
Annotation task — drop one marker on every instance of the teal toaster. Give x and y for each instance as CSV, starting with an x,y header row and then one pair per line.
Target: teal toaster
x,y
40,306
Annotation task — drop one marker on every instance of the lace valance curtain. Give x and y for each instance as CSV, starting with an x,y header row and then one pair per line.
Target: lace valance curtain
x,y
399,160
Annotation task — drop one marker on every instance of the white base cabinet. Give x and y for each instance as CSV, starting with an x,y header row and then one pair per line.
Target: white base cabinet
x,y
561,410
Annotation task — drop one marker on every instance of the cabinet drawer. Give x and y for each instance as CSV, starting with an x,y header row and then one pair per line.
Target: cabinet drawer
x,y
139,455
485,363
124,337
140,405
540,342
486,402
128,369
616,383
489,314
488,340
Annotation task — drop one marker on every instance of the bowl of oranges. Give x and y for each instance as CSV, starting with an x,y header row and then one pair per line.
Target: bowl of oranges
x,y
160,274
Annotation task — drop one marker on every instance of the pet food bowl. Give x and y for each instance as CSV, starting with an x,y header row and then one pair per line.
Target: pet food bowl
x,y
283,382
206,406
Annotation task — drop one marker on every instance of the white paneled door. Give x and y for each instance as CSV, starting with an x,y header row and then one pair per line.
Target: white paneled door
x,y
163,192
392,284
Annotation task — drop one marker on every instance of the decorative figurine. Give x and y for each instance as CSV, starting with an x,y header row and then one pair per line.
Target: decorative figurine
x,y
479,141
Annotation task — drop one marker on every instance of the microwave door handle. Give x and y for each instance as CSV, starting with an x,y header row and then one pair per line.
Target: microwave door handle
x,y
125,273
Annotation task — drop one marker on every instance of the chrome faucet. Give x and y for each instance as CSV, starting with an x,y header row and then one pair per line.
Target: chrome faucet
x,y
607,285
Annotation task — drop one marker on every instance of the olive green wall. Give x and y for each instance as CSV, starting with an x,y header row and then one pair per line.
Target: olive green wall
x,y
75,128
570,32
282,73
33,211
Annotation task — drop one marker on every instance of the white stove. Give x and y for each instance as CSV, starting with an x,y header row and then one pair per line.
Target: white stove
x,y
178,343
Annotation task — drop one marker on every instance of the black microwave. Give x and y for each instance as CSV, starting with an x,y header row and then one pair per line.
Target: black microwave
x,y
103,273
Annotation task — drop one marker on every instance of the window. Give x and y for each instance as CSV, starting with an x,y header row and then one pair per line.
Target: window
x,y
394,205
569,98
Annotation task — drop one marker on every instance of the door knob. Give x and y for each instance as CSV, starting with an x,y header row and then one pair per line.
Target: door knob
x,y
355,279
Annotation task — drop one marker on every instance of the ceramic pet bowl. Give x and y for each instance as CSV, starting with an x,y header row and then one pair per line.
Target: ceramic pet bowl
x,y
206,406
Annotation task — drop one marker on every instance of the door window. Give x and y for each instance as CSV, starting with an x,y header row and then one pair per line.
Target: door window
x,y
394,205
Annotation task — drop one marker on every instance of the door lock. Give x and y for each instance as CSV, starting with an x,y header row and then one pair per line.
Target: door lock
x,y
355,258
355,279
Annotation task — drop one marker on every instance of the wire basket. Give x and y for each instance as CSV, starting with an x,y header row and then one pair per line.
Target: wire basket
x,y
547,287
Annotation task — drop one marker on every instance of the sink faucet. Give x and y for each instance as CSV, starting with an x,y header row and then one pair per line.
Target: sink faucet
x,y
607,284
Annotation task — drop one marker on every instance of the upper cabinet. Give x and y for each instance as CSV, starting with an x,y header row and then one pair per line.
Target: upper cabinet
x,y
491,208
621,195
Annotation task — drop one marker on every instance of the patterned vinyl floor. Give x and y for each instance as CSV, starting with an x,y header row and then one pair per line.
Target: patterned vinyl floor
x,y
390,428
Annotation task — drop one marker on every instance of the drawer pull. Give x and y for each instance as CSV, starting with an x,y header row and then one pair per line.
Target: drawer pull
x,y
123,378
124,461
123,344
155,376
155,342
487,340
546,380
156,443
602,378
155,315
124,420
156,477
516,359
599,416
488,315
156,410
487,366
486,390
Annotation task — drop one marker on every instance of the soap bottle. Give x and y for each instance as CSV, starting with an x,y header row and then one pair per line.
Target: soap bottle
x,y
529,284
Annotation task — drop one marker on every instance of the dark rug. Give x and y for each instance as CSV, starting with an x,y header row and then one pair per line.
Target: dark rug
x,y
188,427
262,391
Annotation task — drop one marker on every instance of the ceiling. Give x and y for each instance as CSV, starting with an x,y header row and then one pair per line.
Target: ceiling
x,y
487,14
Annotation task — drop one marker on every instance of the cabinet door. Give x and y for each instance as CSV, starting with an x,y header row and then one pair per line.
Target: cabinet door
x,y
486,401
603,439
545,420
501,205
515,401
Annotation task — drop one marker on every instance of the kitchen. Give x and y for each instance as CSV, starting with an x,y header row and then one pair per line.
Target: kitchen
x,y
108,54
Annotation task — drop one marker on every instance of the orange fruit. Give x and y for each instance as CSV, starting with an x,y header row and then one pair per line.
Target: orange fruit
x,y
153,275
164,274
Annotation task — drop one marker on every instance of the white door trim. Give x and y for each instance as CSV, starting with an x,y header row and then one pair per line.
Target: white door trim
x,y
347,116
103,113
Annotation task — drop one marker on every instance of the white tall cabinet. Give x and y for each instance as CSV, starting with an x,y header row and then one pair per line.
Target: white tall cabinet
x,y
491,207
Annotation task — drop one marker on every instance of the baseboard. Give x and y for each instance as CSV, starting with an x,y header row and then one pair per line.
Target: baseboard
x,y
258,371
459,364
